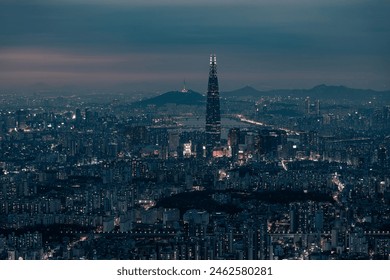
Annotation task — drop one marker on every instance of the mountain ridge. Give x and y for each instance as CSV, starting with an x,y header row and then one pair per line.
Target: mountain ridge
x,y
320,91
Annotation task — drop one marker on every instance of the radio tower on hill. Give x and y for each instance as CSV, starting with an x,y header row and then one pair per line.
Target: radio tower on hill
x,y
213,114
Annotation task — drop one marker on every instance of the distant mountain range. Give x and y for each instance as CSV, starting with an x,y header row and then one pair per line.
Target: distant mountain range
x,y
317,92
174,97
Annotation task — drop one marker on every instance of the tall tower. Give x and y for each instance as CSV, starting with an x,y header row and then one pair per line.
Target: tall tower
x,y
318,109
213,115
307,106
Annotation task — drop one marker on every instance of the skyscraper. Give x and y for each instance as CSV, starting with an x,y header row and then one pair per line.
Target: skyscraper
x,y
307,106
213,115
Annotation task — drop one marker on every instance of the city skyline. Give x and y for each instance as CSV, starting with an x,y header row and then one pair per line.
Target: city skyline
x,y
102,159
294,177
131,45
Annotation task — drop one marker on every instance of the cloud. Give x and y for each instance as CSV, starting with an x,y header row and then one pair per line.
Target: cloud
x,y
274,25
253,38
27,66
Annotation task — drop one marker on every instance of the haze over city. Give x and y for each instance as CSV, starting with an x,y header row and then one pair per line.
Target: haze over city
x,y
155,45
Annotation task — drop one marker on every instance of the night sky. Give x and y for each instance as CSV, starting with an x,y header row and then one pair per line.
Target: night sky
x,y
156,44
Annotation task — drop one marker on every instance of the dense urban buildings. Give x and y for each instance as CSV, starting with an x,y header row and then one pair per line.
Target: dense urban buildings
x,y
101,176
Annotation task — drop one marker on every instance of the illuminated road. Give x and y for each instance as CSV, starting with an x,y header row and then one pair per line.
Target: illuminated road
x,y
49,254
284,164
339,185
242,118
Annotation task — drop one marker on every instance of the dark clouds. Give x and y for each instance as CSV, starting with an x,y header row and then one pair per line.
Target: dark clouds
x,y
275,43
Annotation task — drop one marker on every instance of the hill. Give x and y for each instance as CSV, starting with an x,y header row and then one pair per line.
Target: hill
x,y
174,97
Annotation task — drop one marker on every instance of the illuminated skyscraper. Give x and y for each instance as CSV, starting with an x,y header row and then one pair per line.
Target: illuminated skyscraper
x,y
213,115
307,106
